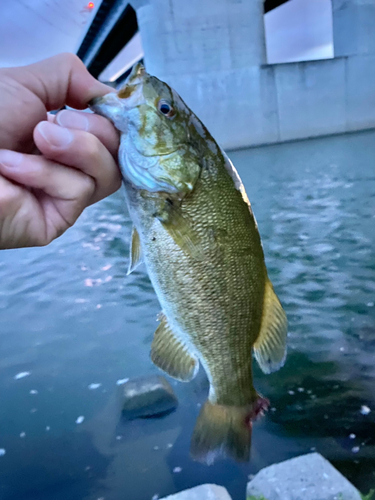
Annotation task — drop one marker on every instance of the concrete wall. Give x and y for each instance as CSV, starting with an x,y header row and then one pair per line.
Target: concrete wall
x,y
213,53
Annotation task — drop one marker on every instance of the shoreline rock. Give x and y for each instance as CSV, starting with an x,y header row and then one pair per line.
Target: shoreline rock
x,y
147,397
202,492
308,477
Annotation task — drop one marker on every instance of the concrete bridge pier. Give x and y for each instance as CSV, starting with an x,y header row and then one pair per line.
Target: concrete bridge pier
x,y
211,52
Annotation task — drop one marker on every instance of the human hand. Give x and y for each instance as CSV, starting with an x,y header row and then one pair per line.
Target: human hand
x,y
51,168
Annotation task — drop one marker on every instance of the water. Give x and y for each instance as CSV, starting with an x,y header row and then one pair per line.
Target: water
x,y
70,318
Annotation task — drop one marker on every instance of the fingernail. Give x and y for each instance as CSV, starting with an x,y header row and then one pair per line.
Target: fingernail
x,y
10,159
55,135
72,119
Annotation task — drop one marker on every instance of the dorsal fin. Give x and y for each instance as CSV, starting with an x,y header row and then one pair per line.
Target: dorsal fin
x,y
135,257
171,355
270,346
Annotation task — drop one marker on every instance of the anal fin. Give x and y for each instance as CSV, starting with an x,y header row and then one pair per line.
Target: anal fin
x,y
135,257
270,346
172,356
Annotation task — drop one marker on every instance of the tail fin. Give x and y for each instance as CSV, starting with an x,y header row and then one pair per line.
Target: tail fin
x,y
222,431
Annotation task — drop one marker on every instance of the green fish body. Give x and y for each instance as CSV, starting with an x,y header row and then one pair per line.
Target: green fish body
x,y
195,230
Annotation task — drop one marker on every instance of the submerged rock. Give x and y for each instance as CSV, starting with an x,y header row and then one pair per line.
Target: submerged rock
x,y
309,477
202,492
147,397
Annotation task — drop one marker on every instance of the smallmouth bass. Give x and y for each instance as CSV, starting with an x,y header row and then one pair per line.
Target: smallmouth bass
x,y
195,230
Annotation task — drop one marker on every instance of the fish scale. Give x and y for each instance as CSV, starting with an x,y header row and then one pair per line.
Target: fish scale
x,y
221,303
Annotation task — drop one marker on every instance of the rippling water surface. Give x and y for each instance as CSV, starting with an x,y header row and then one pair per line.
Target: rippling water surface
x,y
72,325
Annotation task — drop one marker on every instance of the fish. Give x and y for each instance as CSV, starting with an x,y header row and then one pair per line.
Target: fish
x,y
194,228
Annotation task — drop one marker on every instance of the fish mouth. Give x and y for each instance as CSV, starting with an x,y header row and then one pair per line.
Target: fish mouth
x,y
94,102
128,97
135,78
107,105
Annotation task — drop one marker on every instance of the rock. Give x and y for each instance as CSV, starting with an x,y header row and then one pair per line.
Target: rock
x,y
147,397
309,477
202,492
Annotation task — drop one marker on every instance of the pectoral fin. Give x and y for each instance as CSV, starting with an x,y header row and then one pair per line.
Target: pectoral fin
x,y
178,226
135,257
182,233
270,346
172,356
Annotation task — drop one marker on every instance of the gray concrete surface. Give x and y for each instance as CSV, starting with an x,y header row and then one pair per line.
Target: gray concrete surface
x,y
202,492
309,477
213,53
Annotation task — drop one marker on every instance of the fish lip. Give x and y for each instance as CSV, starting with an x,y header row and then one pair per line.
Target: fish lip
x,y
95,101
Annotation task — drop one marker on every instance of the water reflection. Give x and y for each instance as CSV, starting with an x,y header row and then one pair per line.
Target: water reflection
x,y
71,318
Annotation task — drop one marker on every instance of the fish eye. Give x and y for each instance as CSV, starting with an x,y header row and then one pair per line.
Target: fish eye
x,y
166,108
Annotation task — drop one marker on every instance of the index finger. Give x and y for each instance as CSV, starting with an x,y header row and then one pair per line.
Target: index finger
x,y
61,79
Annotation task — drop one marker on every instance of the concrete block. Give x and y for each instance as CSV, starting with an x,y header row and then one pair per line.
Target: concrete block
x,y
147,397
360,95
311,98
309,477
202,492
